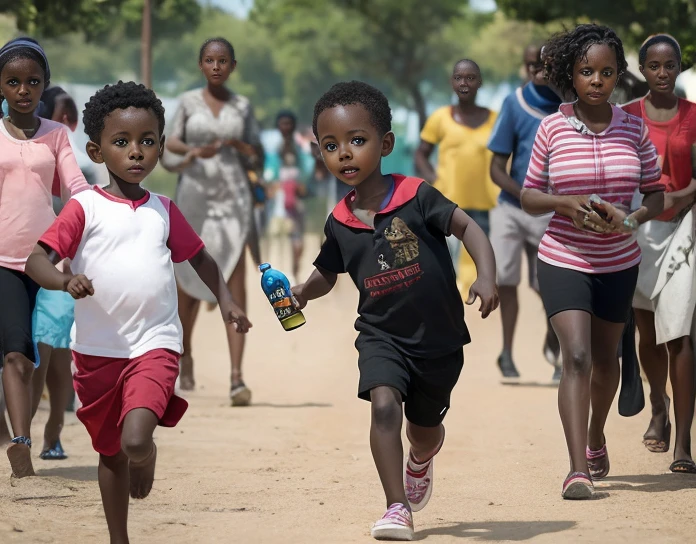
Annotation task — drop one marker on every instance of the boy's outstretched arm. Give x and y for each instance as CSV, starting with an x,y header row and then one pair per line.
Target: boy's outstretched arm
x,y
319,284
208,270
41,267
477,244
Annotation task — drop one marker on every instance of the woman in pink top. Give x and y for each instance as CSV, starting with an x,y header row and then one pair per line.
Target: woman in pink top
x,y
666,293
33,152
588,258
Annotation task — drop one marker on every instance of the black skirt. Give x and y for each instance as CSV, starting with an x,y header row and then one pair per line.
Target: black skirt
x,y
606,296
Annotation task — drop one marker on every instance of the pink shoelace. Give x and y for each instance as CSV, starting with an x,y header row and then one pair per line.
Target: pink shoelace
x,y
397,513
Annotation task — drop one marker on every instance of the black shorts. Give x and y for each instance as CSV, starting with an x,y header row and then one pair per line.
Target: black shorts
x,y
425,384
606,296
17,300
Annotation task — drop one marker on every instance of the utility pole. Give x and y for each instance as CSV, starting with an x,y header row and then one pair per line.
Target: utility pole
x,y
146,45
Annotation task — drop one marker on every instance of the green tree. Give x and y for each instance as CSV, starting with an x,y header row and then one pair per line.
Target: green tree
x,y
634,19
50,18
397,43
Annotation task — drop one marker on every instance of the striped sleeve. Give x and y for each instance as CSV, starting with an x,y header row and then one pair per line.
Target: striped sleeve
x,y
651,173
538,171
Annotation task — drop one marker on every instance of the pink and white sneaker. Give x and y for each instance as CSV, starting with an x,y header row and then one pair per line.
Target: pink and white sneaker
x,y
418,482
396,524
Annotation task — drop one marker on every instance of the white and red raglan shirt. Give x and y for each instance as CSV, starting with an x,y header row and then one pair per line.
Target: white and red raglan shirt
x,y
126,248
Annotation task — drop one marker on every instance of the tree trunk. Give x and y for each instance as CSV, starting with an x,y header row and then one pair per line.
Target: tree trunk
x,y
418,104
146,45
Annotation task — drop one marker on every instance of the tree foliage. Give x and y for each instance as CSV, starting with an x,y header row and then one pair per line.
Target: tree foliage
x,y
95,18
633,19
397,43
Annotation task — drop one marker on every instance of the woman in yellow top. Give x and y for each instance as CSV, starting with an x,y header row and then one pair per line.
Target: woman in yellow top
x,y
463,170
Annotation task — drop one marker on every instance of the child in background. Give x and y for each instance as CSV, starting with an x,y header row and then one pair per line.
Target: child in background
x,y
34,153
127,338
55,310
389,234
288,208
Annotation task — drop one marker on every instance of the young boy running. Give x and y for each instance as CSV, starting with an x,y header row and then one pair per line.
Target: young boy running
x,y
126,341
389,235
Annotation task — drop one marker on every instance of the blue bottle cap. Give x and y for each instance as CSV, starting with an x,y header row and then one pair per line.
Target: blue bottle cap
x,y
263,267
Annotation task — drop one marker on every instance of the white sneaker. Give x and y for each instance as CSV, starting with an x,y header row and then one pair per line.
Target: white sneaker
x,y
396,524
418,483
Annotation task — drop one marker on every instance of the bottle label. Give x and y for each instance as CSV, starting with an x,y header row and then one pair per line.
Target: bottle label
x,y
282,303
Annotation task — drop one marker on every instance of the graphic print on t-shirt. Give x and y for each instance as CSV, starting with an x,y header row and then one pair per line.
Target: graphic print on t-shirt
x,y
403,242
404,249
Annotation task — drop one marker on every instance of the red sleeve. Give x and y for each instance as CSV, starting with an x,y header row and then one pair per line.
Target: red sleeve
x,y
183,241
65,234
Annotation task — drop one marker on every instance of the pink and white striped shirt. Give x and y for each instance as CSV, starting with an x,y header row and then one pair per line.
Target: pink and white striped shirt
x,y
569,159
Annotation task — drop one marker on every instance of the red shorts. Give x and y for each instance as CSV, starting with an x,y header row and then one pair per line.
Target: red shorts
x,y
109,388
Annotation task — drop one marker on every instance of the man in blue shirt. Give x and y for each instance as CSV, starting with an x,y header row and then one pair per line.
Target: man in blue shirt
x,y
512,229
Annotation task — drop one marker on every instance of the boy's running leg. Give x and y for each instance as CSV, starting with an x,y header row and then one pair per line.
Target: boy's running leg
x,y
385,441
425,444
136,442
388,451
113,484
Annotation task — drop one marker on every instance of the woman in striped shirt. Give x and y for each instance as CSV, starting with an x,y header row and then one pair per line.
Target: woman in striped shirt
x,y
588,258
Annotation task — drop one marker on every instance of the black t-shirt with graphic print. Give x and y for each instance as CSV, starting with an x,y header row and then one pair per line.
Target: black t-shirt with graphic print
x,y
402,268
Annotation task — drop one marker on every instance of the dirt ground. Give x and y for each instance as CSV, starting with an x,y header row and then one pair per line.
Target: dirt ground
x,y
296,467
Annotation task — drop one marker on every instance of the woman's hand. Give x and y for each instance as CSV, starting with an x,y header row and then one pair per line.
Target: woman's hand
x,y
207,151
243,147
579,210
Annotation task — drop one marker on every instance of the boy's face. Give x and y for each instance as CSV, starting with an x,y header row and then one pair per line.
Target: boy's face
x,y
350,145
130,144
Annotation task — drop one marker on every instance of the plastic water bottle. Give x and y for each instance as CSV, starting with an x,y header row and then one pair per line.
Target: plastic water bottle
x,y
276,286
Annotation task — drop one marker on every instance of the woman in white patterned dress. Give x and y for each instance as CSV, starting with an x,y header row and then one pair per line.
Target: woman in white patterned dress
x,y
215,135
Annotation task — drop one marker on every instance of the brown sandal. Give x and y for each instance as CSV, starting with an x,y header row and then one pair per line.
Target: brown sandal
x,y
656,444
19,454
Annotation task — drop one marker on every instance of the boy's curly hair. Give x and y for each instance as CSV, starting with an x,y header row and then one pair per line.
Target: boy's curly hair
x,y
119,96
563,50
356,92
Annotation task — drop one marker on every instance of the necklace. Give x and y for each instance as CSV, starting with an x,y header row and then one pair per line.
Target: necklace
x,y
27,131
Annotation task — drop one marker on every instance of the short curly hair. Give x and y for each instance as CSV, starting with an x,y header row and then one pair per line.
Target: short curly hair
x,y
356,92
119,96
563,50
655,40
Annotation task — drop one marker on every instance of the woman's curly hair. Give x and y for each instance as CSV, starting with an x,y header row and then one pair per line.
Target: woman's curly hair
x,y
563,50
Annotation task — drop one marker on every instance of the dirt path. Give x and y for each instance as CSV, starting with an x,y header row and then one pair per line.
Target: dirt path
x,y
296,467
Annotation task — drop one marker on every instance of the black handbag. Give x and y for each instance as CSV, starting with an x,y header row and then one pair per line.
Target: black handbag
x,y
631,397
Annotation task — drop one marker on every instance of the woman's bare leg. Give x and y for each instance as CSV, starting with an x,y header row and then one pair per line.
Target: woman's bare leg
x,y
188,312
240,395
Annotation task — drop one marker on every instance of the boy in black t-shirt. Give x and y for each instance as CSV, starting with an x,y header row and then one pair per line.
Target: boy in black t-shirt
x,y
389,235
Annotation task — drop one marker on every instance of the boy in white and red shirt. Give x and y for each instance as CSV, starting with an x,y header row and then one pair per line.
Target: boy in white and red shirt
x,y
122,241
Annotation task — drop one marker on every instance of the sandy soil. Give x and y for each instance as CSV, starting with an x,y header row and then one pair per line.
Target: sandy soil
x,y
296,466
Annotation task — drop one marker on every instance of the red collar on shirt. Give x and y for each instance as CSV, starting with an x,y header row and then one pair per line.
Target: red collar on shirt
x,y
135,204
405,189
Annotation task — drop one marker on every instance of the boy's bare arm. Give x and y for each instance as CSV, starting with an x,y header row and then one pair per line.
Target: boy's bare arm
x,y
208,270
477,244
41,267
320,283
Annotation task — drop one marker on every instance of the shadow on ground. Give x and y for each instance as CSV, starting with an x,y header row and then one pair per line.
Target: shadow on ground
x,y
650,483
518,383
301,405
80,474
494,531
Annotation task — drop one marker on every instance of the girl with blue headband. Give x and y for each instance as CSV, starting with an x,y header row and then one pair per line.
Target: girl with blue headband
x,y
33,152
